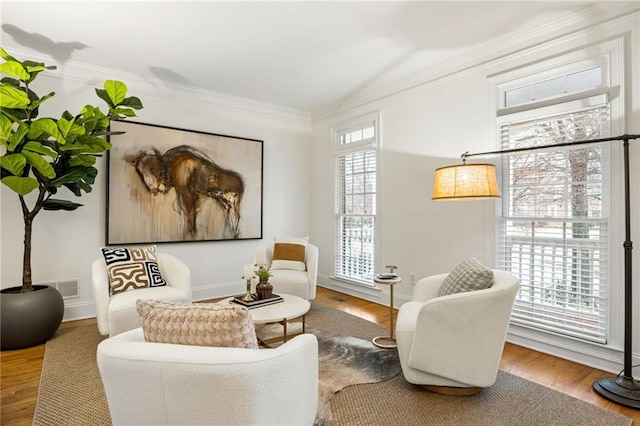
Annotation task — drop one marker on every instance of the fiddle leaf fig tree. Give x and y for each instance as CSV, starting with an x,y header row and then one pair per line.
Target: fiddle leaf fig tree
x,y
40,155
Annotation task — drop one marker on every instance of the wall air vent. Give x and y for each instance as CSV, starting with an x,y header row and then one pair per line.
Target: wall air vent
x,y
69,289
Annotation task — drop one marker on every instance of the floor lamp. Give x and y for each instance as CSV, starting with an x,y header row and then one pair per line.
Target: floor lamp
x,y
478,181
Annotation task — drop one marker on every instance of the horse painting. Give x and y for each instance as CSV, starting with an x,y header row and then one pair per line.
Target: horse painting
x,y
195,178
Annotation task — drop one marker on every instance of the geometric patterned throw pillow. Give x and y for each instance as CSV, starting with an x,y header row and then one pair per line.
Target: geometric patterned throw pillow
x,y
469,275
197,324
132,268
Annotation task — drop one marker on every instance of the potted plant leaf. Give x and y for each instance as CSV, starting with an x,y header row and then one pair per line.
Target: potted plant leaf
x,y
40,156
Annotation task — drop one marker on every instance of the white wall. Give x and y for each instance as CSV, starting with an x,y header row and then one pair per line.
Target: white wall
x,y
430,126
65,243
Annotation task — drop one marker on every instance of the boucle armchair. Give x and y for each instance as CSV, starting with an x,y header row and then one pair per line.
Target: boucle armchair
x,y
453,344
169,384
117,313
298,283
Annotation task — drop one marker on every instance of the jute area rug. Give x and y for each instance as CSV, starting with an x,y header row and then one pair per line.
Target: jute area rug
x,y
71,391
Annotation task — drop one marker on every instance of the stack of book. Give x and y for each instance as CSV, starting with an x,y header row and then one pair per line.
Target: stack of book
x,y
256,303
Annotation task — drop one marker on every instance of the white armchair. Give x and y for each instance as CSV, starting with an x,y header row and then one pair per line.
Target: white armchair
x,y
117,313
167,384
298,283
453,344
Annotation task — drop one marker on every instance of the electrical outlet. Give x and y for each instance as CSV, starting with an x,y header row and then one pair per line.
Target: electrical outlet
x,y
412,278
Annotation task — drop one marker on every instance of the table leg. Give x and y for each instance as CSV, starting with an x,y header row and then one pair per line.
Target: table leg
x,y
391,314
285,333
387,342
284,324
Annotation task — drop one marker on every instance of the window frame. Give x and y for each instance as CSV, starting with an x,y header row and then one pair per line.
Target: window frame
x,y
566,65
610,55
346,149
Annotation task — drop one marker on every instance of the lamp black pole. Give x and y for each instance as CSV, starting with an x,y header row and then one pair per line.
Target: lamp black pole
x,y
623,390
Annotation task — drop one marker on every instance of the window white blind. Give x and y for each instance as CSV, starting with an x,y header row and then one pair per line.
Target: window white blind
x,y
355,205
553,229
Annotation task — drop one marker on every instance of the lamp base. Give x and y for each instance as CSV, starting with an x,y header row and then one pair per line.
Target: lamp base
x,y
620,390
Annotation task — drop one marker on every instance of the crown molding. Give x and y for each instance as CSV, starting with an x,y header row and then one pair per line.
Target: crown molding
x,y
149,87
479,55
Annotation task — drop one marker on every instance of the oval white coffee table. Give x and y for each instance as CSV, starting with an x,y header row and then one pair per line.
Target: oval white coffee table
x,y
292,307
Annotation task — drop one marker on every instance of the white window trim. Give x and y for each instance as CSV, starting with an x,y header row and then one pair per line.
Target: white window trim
x,y
606,55
354,123
585,352
599,61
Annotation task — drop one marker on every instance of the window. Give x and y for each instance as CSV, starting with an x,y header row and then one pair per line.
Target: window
x,y
355,202
553,226
566,84
553,230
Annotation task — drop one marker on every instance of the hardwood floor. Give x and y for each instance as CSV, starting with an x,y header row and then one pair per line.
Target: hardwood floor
x,y
20,369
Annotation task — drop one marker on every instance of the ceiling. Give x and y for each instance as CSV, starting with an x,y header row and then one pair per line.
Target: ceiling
x,y
301,55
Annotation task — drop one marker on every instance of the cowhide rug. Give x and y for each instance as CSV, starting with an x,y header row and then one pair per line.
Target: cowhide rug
x,y
342,361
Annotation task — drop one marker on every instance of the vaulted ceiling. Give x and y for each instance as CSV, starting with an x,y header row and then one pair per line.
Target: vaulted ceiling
x,y
301,55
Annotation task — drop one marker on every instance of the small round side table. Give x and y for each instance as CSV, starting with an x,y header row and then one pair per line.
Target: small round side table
x,y
387,342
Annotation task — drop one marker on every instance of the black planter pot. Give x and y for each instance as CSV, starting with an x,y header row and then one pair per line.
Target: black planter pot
x,y
29,319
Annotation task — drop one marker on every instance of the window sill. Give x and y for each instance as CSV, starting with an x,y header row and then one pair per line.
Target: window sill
x,y
365,284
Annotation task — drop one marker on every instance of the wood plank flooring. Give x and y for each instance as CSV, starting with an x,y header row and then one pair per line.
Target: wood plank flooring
x,y
20,369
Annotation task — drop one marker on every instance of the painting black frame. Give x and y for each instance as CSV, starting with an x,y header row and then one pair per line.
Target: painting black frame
x,y
154,173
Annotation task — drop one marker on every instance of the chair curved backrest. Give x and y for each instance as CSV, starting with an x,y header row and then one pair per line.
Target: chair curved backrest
x,y
117,313
455,340
162,384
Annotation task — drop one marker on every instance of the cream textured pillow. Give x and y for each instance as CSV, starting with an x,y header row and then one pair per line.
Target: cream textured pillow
x,y
132,268
469,275
289,253
198,324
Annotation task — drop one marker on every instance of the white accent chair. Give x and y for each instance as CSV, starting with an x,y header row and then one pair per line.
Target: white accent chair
x,y
453,344
168,384
117,313
298,283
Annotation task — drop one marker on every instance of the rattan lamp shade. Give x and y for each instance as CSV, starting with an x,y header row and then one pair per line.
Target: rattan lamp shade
x,y
464,181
